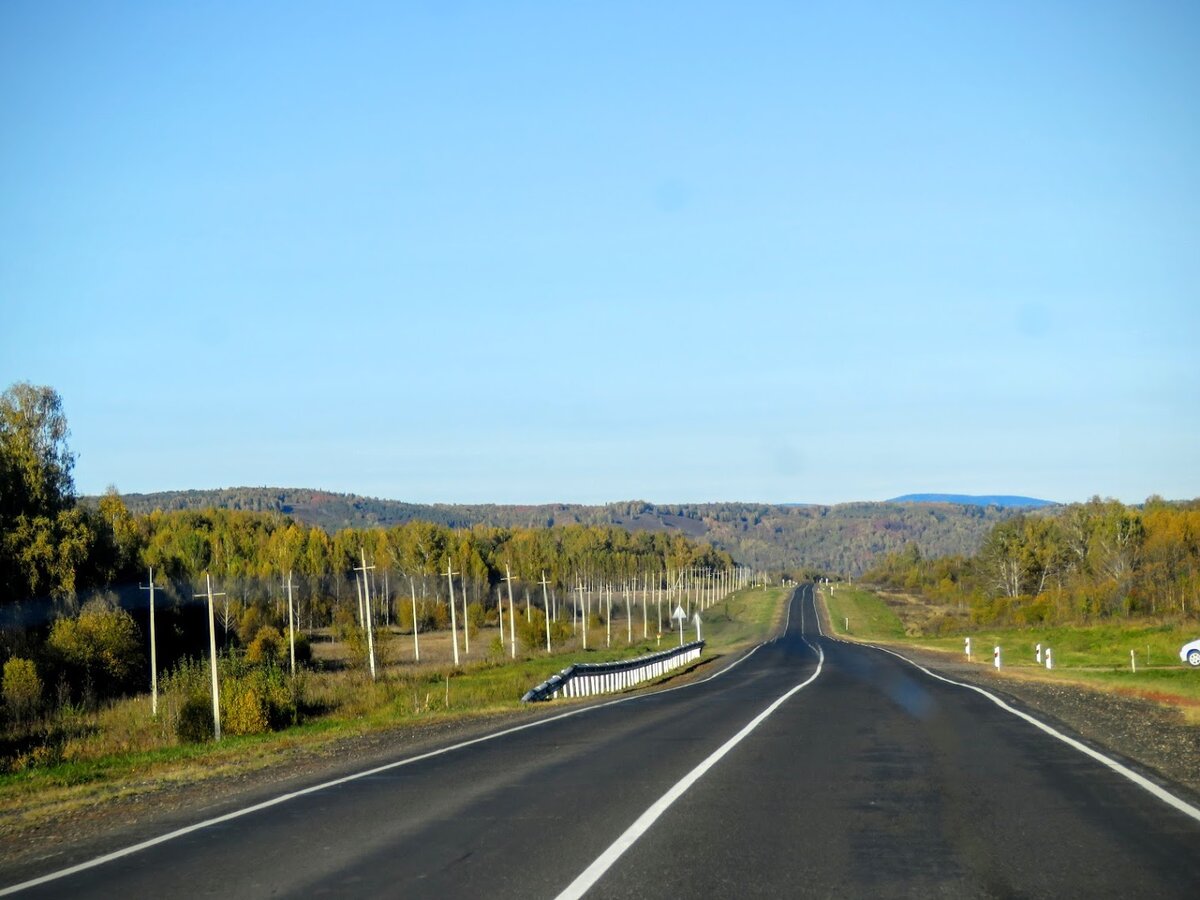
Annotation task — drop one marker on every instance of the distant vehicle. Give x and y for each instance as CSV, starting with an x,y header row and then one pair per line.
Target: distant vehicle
x,y
1190,653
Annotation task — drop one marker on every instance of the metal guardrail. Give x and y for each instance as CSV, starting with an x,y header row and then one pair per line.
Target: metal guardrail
x,y
586,679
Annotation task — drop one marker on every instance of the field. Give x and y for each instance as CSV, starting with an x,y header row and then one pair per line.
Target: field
x,y
122,750
1099,656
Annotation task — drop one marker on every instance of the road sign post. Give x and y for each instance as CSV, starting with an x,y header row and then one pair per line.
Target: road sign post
x,y
679,616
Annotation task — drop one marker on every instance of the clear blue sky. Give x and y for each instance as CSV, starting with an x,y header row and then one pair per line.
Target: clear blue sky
x,y
523,252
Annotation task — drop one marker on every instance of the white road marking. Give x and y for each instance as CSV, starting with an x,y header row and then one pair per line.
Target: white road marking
x,y
284,798
1141,781
604,861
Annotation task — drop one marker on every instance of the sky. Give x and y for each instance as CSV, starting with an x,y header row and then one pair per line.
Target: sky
x,y
584,252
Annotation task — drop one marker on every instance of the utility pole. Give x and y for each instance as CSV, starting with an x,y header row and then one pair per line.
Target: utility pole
x,y
583,629
212,653
291,623
645,603
453,621
369,620
546,606
466,619
153,649
512,618
608,617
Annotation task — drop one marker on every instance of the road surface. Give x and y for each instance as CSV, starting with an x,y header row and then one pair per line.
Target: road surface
x,y
812,767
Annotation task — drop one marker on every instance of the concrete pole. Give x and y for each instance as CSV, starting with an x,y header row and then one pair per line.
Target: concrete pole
x,y
583,623
512,622
291,623
153,649
546,606
212,654
608,619
645,603
370,619
453,620
466,619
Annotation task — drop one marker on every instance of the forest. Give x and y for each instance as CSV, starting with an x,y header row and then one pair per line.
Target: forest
x,y
844,538
74,577
1075,564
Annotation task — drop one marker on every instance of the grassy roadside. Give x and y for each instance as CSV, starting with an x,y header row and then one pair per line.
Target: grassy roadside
x,y
400,699
1096,656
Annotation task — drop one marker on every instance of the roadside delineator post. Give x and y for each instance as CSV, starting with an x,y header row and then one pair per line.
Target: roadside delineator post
x,y
968,649
1133,661
996,657
1049,659
1039,654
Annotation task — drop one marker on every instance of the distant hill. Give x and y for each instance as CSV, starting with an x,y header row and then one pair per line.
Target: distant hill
x,y
844,538
1003,501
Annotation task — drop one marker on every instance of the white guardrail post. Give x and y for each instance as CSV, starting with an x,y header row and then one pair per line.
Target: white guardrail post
x,y
586,679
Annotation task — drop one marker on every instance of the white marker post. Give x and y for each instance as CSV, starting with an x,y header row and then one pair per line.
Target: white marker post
x,y
212,650
996,657
968,649
1039,654
679,615
1049,659
153,650
696,619
1133,661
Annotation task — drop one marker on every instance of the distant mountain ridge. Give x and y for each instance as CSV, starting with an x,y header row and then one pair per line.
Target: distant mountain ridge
x,y
1004,501
844,538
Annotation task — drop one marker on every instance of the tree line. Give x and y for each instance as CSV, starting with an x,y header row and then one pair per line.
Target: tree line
x,y
74,576
1079,563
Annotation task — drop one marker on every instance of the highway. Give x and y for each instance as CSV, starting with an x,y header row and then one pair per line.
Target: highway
x,y
811,767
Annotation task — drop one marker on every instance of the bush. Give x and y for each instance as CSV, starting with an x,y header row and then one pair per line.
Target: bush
x,y
22,689
268,647
195,724
245,710
102,644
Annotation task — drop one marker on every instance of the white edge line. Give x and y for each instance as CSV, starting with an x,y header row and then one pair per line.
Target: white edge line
x,y
593,873
292,795
1141,781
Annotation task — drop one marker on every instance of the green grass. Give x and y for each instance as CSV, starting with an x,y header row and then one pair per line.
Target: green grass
x,y
1097,655
869,617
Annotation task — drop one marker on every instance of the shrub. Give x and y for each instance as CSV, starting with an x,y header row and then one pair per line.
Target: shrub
x,y
195,724
101,644
249,624
22,688
268,647
245,710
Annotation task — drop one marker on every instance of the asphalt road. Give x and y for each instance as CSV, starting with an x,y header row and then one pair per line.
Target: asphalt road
x,y
867,778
